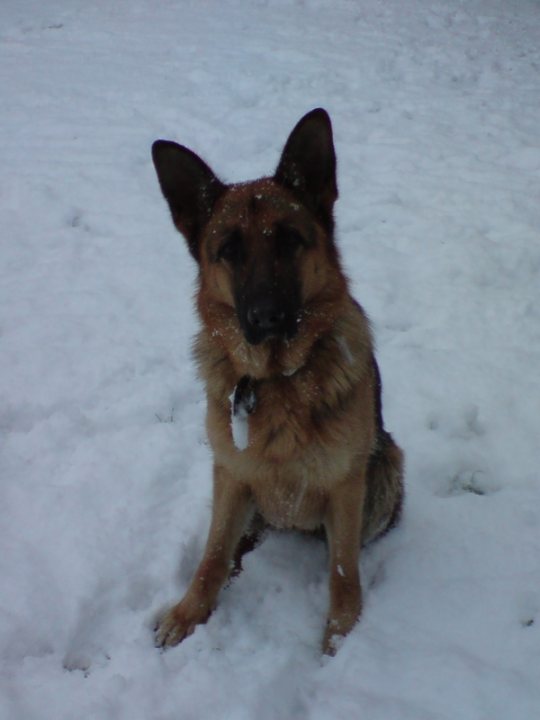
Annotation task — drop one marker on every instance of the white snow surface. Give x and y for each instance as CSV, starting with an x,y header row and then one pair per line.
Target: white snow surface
x,y
105,470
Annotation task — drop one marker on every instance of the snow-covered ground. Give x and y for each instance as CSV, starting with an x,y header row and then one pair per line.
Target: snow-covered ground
x,y
105,471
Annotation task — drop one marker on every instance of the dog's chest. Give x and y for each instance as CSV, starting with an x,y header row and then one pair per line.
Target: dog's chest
x,y
272,422
289,501
271,444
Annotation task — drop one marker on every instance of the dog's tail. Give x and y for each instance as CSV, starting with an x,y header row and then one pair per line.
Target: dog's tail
x,y
384,491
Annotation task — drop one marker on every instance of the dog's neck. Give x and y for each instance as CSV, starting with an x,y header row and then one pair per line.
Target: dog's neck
x,y
224,341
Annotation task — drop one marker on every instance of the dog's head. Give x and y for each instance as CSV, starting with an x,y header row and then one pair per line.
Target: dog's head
x,y
264,247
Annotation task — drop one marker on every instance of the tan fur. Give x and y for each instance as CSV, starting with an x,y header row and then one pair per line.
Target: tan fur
x,y
315,458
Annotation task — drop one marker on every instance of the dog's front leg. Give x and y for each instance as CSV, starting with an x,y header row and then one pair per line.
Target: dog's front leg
x,y
343,525
231,512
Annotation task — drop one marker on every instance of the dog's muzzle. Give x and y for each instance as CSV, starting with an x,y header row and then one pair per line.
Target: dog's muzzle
x,y
267,318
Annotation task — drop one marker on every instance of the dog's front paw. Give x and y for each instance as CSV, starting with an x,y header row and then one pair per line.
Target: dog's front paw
x,y
335,632
177,624
332,639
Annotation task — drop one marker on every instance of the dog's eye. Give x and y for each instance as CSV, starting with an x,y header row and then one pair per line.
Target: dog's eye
x,y
231,248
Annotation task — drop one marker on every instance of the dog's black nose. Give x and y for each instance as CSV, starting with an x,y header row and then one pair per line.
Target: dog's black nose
x,y
265,315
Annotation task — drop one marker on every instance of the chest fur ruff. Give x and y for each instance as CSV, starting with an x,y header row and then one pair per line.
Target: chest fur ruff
x,y
314,417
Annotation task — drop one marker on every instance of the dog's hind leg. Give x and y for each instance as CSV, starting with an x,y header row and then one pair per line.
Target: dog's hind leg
x,y
384,491
248,542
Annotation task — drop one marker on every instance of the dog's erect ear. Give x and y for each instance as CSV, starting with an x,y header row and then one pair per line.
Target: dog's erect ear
x,y
308,164
189,186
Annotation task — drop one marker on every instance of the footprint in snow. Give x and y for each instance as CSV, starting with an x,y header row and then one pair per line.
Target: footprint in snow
x,y
474,482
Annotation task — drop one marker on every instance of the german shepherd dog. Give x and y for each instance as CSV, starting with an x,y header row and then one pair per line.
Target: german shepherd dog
x,y
293,389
